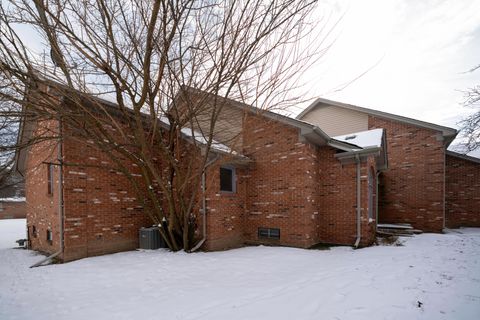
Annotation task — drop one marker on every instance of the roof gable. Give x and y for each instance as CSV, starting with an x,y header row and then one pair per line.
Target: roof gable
x,y
448,133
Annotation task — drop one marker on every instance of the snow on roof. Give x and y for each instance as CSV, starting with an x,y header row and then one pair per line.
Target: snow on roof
x,y
363,139
218,146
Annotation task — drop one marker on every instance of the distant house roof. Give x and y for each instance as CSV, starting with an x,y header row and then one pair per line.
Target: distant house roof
x,y
448,133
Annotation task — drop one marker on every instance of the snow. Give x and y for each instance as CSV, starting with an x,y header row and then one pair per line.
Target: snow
x,y
13,199
431,276
215,145
363,139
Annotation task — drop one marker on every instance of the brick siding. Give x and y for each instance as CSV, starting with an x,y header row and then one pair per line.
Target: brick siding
x,y
412,189
42,208
225,211
338,200
281,183
463,193
102,213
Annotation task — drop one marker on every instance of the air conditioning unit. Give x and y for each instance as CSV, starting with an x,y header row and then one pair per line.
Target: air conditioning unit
x,y
150,238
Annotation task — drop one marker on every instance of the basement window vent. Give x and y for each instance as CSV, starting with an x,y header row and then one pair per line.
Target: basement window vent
x,y
350,137
268,233
49,236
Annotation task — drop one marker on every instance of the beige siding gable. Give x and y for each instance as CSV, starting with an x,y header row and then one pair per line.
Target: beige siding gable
x,y
228,127
336,121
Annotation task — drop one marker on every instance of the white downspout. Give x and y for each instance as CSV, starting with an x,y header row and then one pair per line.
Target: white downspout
x,y
359,209
204,207
376,196
60,201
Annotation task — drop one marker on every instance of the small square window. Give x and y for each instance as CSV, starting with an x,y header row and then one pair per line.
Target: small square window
x,y
269,233
227,179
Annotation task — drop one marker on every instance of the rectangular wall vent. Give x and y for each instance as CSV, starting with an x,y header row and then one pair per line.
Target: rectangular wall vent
x,y
269,233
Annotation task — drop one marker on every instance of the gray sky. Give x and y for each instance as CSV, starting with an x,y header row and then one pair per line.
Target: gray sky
x,y
417,54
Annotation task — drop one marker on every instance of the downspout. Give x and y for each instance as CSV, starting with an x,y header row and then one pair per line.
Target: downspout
x,y
204,206
60,200
444,190
359,209
376,196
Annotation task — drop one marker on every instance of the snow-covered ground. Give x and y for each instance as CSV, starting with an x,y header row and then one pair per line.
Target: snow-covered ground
x,y
431,276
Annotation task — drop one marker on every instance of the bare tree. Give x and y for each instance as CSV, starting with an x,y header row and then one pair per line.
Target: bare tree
x,y
8,134
470,126
145,57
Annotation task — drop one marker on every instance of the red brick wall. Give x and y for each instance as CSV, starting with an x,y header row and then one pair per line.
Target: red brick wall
x,y
42,209
225,211
281,186
338,200
291,185
463,193
412,189
12,209
102,214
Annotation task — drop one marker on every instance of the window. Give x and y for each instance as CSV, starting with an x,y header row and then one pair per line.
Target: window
x,y
50,179
227,179
34,231
49,236
269,233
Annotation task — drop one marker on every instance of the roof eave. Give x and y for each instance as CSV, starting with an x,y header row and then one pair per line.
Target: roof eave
x,y
463,156
361,152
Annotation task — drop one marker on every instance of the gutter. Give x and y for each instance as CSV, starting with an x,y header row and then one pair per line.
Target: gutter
x,y
204,206
60,202
355,153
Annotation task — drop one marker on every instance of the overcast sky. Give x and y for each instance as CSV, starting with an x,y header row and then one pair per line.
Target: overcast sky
x,y
416,55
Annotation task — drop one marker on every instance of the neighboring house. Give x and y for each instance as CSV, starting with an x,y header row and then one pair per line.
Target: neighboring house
x,y
425,184
290,184
12,198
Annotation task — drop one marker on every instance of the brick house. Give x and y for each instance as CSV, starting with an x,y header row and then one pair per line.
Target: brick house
x,y
425,184
295,186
